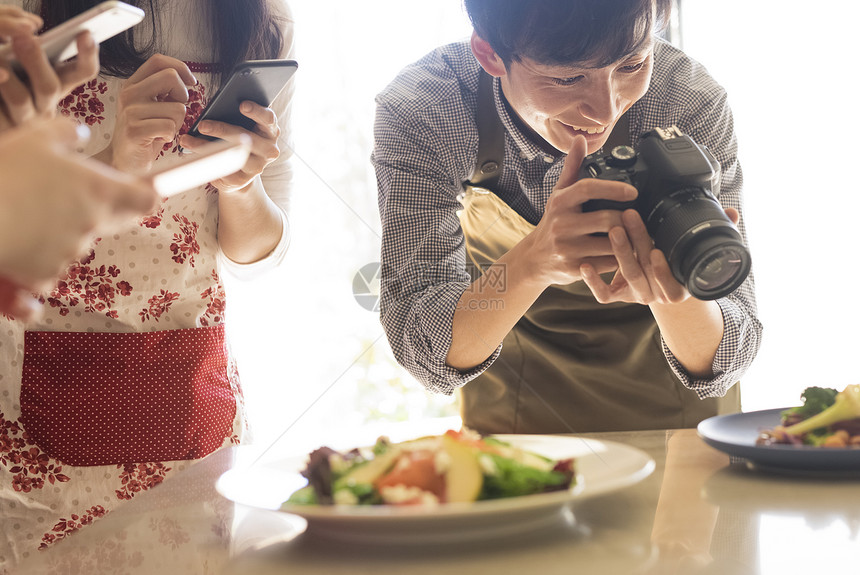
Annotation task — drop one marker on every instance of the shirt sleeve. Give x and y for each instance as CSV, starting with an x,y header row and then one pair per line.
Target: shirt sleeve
x,y
707,118
253,270
423,271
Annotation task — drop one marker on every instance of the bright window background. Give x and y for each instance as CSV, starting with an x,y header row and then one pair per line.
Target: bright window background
x,y
789,69
316,365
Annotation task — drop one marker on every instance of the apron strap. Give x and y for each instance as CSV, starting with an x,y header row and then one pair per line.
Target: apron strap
x,y
491,137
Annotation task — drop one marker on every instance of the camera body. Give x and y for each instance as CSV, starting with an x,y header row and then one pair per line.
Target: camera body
x,y
677,180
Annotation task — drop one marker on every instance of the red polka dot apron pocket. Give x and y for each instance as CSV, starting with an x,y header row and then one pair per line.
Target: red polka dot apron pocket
x,y
110,398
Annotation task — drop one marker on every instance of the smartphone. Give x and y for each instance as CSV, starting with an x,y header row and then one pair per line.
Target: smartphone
x,y
103,21
182,172
257,80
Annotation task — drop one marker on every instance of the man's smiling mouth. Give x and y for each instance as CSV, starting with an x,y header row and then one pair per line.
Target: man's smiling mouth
x,y
597,130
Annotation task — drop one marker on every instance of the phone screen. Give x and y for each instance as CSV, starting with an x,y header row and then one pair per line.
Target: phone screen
x,y
173,174
259,81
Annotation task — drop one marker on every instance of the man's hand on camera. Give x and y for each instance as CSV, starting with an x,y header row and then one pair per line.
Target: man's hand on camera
x,y
566,237
643,274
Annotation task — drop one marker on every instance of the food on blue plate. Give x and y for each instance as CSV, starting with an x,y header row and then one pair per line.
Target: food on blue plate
x,y
827,418
456,467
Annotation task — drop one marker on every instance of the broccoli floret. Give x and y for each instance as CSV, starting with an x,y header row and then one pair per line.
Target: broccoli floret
x,y
817,437
304,496
846,406
815,400
381,446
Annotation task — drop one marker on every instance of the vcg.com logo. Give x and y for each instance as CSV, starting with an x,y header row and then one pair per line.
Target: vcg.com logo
x,y
365,286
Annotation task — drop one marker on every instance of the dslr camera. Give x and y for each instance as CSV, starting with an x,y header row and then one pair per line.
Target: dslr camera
x,y
676,179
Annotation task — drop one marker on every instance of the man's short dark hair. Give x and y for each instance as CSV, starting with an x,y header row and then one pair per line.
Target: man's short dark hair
x,y
564,32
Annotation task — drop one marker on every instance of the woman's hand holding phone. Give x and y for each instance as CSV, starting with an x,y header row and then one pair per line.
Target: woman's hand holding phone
x,y
150,111
46,84
264,143
15,22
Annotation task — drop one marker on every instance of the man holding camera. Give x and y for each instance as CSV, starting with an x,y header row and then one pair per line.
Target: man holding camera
x,y
548,317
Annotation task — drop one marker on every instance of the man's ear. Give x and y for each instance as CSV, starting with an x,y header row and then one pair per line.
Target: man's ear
x,y
487,57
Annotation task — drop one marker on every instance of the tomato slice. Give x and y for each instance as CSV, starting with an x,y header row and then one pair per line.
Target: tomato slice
x,y
415,469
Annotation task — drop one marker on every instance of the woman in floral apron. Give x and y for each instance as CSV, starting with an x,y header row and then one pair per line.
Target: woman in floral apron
x,y
127,377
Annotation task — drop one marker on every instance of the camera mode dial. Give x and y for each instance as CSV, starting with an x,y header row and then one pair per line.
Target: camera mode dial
x,y
621,157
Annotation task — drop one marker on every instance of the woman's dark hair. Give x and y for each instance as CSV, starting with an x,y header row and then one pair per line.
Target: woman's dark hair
x,y
242,29
593,32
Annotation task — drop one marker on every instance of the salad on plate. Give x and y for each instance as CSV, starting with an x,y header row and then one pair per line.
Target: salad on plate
x,y
827,418
456,467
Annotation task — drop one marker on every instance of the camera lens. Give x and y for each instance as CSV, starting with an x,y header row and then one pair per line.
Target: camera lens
x,y
717,267
703,247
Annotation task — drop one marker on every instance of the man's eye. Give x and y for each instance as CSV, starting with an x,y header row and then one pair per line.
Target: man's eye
x,y
566,81
630,68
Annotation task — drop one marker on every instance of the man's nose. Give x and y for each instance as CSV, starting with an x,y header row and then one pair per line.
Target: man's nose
x,y
601,105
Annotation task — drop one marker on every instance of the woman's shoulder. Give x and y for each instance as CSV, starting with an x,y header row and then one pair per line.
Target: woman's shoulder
x,y
283,15
281,9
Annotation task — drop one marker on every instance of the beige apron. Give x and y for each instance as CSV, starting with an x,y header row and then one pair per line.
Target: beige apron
x,y
571,364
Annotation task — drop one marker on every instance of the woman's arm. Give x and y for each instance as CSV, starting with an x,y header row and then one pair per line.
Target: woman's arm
x,y
252,203
250,225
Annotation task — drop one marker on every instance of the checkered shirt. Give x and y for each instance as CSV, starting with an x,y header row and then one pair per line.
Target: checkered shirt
x,y
426,144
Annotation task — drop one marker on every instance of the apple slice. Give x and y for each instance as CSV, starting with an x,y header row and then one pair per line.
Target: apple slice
x,y
370,471
463,478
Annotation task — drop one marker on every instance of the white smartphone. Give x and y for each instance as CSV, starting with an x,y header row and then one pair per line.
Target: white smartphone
x,y
182,172
103,21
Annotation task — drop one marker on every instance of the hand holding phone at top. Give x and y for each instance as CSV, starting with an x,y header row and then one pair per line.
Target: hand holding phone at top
x,y
14,21
103,21
37,71
45,85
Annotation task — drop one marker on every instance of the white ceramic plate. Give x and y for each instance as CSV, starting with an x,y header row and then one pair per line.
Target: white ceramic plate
x,y
601,467
736,435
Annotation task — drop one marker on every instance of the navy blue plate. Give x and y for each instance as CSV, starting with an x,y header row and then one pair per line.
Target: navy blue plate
x,y
736,434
